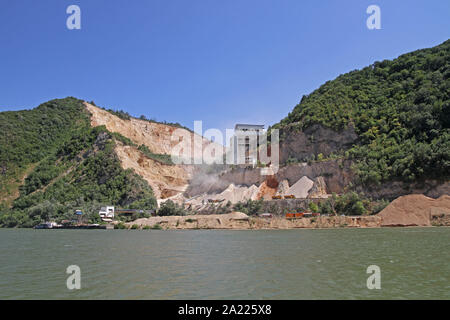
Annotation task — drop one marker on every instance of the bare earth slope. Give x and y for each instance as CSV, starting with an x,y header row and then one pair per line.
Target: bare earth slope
x,y
166,180
156,136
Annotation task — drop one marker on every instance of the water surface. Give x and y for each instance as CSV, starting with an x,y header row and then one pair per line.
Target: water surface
x,y
220,264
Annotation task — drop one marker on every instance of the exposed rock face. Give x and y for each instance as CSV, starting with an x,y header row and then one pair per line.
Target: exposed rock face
x,y
316,139
156,136
319,189
393,189
178,199
266,192
283,187
336,175
328,176
165,180
413,210
232,194
268,188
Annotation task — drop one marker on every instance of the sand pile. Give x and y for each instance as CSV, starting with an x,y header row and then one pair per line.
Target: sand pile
x,y
301,188
251,193
236,215
236,194
283,188
413,210
232,193
269,188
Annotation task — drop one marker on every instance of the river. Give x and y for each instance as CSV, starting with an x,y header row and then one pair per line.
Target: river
x,y
226,264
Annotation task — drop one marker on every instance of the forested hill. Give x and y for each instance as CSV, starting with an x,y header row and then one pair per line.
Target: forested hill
x,y
52,162
400,110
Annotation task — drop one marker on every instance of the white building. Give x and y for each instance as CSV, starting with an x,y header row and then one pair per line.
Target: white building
x,y
106,213
245,143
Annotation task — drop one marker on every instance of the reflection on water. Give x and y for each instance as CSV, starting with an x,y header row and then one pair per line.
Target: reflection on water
x,y
220,264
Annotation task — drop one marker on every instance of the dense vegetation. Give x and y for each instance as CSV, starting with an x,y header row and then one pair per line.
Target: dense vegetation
x,y
170,208
31,135
349,203
162,158
73,166
249,207
400,110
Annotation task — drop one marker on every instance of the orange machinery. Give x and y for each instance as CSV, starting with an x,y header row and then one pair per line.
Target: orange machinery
x,y
294,215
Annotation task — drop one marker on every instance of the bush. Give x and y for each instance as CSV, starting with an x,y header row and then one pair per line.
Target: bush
x,y
379,205
313,207
157,227
250,207
170,208
120,113
120,225
347,204
162,158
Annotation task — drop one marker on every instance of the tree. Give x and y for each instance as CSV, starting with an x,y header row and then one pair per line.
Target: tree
x,y
313,207
170,208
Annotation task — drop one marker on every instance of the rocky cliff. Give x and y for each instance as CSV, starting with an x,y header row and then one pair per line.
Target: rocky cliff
x,y
302,145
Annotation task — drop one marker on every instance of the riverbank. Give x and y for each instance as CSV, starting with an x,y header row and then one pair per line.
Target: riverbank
x,y
240,221
405,211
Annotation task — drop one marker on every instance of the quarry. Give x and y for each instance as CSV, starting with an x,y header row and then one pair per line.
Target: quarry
x,y
204,190
195,187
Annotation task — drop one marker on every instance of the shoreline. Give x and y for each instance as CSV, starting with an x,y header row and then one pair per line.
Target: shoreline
x,y
240,221
249,229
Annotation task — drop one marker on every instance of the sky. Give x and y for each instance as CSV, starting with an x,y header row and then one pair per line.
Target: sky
x,y
219,61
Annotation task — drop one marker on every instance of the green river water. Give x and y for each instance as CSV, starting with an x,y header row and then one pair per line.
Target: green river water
x,y
226,264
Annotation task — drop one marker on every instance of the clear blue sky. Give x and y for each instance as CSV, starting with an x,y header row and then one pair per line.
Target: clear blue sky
x,y
221,61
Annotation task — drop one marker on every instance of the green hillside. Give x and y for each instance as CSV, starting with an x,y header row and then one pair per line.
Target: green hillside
x,y
400,110
53,162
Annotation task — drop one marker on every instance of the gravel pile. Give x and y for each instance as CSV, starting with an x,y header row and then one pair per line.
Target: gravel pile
x,y
301,188
413,210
